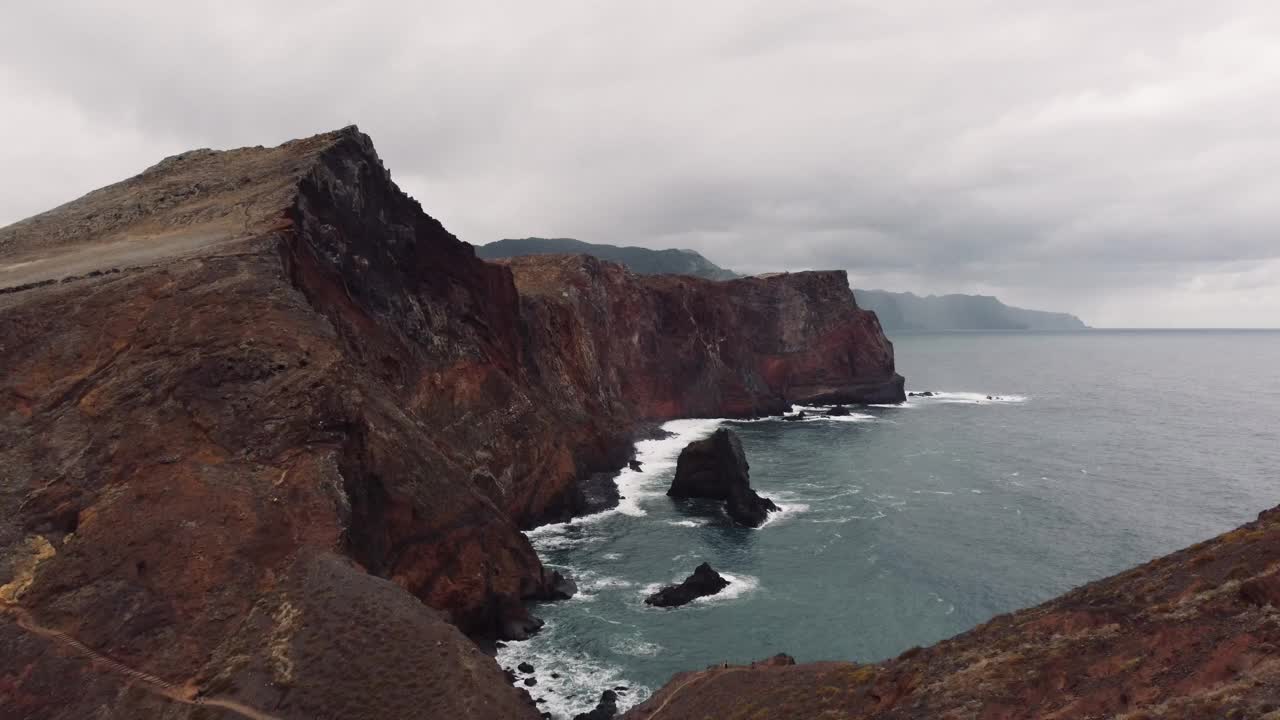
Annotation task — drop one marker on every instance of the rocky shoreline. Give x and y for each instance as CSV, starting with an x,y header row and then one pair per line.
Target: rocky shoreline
x,y
270,436
261,410
1187,636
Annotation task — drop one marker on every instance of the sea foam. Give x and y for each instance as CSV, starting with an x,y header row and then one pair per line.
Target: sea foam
x,y
581,677
942,397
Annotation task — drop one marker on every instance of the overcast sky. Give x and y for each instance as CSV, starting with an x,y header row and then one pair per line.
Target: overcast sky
x,y
1118,160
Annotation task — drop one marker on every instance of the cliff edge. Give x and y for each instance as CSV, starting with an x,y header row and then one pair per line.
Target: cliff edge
x,y
269,433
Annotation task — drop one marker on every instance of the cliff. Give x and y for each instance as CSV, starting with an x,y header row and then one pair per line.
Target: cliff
x,y
907,311
269,433
897,311
1191,635
636,259
669,346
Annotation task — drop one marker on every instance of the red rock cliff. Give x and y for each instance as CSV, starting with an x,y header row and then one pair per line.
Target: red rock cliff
x,y
256,402
666,346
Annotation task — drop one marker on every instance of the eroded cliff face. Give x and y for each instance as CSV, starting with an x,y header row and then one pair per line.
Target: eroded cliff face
x,y
265,425
1191,635
676,346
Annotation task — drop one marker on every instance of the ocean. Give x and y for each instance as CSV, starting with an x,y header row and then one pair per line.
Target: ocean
x,y
904,525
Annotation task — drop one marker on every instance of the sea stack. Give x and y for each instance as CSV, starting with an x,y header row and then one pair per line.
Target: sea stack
x,y
704,581
717,469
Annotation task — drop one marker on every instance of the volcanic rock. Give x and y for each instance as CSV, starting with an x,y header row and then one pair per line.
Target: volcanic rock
x,y
704,581
605,709
558,587
634,465
839,411
525,667
521,628
716,468
222,370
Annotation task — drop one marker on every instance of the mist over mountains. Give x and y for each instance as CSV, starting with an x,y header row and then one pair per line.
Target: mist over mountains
x,y
907,311
898,311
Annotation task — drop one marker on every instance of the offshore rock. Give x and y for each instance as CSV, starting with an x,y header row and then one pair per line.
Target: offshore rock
x,y
716,468
703,582
1187,636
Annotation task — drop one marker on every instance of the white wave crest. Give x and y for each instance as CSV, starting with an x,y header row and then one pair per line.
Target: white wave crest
x,y
787,511
656,457
739,585
687,523
942,397
580,677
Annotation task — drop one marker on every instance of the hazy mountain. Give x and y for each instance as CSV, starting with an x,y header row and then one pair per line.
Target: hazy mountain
x,y
639,260
908,311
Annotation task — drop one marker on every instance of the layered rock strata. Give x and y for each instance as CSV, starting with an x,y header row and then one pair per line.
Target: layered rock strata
x,y
269,433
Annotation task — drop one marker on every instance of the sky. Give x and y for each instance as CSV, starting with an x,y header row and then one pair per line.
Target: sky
x,y
1116,160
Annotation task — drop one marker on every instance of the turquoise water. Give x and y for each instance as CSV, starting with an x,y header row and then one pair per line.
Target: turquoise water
x,y
905,525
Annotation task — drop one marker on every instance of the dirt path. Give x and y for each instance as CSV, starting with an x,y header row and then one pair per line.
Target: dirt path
x,y
704,675
187,694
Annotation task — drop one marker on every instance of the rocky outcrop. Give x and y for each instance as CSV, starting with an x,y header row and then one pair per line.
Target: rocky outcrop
x,y
243,385
703,582
716,468
1190,635
606,708
665,346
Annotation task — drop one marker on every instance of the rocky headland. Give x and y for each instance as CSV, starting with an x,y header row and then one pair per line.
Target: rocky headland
x,y
270,434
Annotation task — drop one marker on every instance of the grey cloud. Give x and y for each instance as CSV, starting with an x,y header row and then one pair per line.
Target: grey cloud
x,y
1112,159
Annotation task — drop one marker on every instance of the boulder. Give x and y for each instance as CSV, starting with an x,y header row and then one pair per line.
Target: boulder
x,y
606,709
560,587
521,628
704,581
634,465
748,508
717,469
838,411
525,667
794,418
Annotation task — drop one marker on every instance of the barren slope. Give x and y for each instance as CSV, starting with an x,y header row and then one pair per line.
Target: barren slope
x,y
268,432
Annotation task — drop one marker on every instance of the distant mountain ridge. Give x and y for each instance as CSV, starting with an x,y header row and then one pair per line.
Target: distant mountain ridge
x,y
898,311
643,261
907,311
